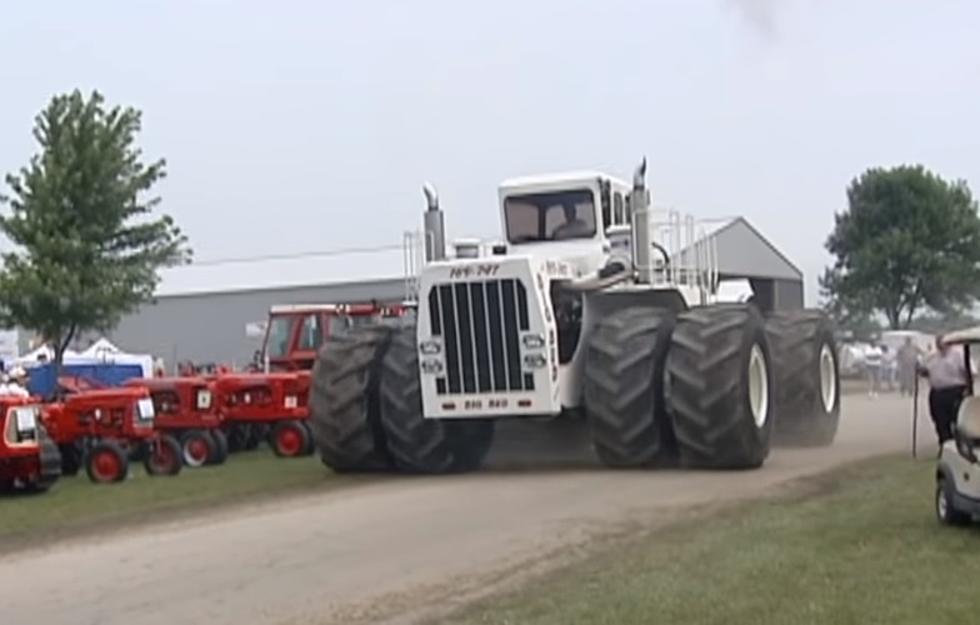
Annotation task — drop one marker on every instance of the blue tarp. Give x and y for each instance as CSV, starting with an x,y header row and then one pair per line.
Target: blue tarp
x,y
42,378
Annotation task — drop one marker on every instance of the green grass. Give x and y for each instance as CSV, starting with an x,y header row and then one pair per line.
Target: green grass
x,y
865,549
75,504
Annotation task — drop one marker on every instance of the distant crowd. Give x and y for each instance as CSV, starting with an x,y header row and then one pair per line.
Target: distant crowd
x,y
887,369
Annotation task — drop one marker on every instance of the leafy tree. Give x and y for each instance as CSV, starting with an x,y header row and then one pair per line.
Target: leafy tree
x,y
87,249
908,241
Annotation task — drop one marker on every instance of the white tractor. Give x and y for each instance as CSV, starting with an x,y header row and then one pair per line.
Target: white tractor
x,y
594,305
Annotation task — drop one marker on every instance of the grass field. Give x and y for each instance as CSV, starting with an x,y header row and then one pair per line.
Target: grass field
x,y
75,504
866,549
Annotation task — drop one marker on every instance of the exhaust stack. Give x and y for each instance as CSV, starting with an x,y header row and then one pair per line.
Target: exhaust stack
x,y
640,204
435,232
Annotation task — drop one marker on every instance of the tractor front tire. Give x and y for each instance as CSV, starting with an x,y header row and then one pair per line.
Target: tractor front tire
x,y
106,462
163,457
237,435
806,373
289,439
196,448
417,444
720,387
344,406
624,388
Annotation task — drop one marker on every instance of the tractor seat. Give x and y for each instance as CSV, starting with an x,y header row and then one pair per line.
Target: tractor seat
x,y
968,418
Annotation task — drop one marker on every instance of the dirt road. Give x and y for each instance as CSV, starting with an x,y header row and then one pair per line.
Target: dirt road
x,y
396,547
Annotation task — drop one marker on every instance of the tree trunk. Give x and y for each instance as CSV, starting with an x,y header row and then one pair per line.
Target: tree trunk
x,y
60,348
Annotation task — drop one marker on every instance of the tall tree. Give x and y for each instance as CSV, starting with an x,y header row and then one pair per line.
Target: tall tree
x,y
87,247
908,241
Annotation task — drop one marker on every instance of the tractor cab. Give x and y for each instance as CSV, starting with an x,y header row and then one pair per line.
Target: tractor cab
x,y
295,332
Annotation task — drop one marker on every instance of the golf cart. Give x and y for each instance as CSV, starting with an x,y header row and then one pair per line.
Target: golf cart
x,y
958,472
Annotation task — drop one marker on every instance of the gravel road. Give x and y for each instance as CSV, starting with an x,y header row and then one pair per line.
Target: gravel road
x,y
398,548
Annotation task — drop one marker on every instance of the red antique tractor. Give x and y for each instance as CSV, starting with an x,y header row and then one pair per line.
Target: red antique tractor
x,y
252,402
185,409
271,400
29,459
103,429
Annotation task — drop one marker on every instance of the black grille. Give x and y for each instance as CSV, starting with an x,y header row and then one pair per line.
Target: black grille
x,y
480,324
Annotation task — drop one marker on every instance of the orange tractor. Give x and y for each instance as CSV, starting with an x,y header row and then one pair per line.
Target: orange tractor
x,y
103,430
29,459
185,409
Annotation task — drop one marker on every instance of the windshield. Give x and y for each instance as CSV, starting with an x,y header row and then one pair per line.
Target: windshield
x,y
556,216
277,343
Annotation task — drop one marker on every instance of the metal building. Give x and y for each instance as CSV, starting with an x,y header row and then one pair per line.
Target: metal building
x,y
203,313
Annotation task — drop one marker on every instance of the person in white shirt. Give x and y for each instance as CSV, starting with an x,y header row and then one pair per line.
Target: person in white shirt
x,y
15,383
872,365
948,380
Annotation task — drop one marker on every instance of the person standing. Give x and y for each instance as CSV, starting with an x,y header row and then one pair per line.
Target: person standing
x,y
872,365
948,379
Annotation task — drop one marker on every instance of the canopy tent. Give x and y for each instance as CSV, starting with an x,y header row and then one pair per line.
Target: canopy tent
x,y
102,352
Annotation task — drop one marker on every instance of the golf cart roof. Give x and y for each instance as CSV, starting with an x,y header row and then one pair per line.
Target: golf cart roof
x,y
969,335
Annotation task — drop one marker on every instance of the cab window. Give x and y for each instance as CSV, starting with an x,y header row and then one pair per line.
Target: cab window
x,y
310,333
618,217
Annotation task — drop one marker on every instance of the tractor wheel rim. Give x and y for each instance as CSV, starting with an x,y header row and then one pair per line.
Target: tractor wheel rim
x,y
758,386
942,506
163,457
195,452
289,440
106,466
828,379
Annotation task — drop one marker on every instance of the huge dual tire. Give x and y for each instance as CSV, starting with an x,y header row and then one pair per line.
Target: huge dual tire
x,y
624,388
417,444
344,406
806,371
720,387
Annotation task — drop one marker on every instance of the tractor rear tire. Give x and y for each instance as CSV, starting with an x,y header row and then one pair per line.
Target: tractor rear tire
x,y
49,464
237,434
289,439
310,446
720,387
72,458
220,447
344,406
806,372
196,448
164,457
624,388
106,462
417,444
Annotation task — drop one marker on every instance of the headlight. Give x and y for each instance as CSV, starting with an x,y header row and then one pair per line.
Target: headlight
x,y
966,449
535,361
431,366
533,341
430,347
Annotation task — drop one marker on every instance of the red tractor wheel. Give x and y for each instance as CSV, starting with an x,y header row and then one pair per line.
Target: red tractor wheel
x,y
163,457
290,439
106,463
196,447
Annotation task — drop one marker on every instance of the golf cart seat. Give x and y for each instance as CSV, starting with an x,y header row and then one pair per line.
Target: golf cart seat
x,y
968,418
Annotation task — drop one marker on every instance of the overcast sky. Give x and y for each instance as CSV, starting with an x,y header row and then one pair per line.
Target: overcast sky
x,y
313,124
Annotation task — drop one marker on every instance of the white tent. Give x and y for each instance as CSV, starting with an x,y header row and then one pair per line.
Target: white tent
x,y
104,351
100,352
